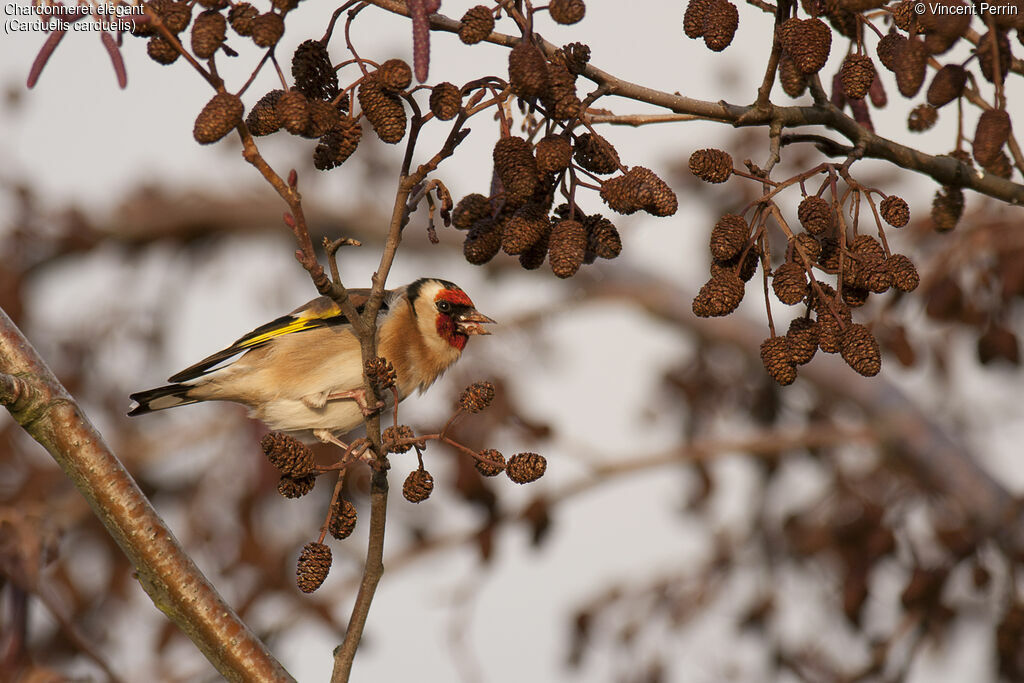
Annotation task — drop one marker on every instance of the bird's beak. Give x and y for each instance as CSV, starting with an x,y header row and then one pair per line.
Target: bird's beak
x,y
469,323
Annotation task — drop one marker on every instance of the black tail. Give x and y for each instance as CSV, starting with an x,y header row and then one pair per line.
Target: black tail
x,y
160,398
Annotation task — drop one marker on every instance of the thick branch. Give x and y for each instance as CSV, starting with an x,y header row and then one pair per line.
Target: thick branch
x,y
50,415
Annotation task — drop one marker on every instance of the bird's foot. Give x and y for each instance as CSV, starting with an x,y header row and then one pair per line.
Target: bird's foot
x,y
359,396
327,436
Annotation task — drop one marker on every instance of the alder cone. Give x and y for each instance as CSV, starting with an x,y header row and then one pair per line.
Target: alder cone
x,y
293,112
445,101
808,42
719,296
554,152
515,166
596,154
208,33
815,215
922,118
161,50
560,98
803,340
859,349
313,566
986,56
382,109
639,188
911,67
533,258
323,118
889,48
176,15
694,17
856,74
524,229
711,165
527,70
337,145
1000,166
991,134
477,24
523,468
469,210
729,236
568,244
947,207
418,486
313,71
217,118
776,357
241,16
567,11
262,118
793,80
483,241
790,283
894,211
267,29
394,75
904,273
603,240
947,85
720,23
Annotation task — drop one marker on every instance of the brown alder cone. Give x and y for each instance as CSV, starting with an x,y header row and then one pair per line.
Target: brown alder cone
x,y
382,109
469,210
810,246
343,519
534,257
903,15
859,349
240,17
815,215
323,118
337,145
554,152
220,115
208,33
162,51
990,135
314,72
567,247
175,15
947,85
392,434
483,241
596,154
803,340
567,11
313,566
894,211
289,455
729,236
719,296
639,188
775,355
527,70
922,118
720,22
793,80
889,48
986,56
522,468
445,101
296,487
418,486
476,397
790,283
560,99
486,468
262,118
394,75
292,112
904,274
746,269
856,74
267,29
524,229
603,240
947,207
694,18
711,165
808,42
515,166
1001,166
911,67
477,24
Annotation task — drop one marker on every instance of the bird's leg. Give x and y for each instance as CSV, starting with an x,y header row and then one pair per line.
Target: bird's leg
x,y
359,396
327,436
315,401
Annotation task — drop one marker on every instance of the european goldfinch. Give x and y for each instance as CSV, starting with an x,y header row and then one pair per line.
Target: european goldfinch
x,y
303,372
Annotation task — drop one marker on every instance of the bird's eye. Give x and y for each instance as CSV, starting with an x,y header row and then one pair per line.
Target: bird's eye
x,y
444,306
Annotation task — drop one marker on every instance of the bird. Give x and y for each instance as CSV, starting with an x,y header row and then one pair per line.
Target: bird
x,y
302,373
